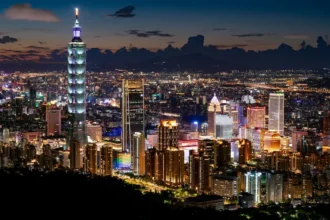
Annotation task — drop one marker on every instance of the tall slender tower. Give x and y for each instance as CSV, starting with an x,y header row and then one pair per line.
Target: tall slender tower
x,y
276,112
76,85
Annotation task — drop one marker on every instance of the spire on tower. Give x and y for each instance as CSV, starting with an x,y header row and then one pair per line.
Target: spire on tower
x,y
77,13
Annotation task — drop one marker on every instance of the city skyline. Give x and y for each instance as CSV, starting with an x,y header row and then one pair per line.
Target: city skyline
x,y
37,28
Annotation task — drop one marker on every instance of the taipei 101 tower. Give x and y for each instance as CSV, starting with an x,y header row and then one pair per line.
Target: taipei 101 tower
x,y
77,86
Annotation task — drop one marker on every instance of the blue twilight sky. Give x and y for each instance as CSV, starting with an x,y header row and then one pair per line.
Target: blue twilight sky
x,y
253,24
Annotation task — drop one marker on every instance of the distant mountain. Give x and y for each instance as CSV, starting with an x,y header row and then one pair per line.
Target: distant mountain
x,y
193,56
191,62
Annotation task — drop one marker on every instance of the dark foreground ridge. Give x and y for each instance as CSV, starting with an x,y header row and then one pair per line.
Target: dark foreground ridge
x,y
67,193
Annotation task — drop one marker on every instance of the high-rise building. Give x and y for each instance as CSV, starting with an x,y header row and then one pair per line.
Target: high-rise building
x,y
193,169
222,151
213,109
150,162
90,162
276,113
168,133
76,153
76,85
106,161
174,166
53,118
132,111
138,154
245,151
224,126
256,117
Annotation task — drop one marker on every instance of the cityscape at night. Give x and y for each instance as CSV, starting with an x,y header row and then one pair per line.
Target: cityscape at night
x,y
165,109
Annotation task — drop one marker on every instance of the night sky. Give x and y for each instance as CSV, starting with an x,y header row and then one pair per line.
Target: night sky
x,y
153,24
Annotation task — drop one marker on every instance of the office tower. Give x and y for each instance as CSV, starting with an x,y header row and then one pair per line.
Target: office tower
x,y
272,141
245,151
90,162
138,154
232,110
276,113
94,131
150,162
204,170
253,184
106,160
54,122
193,169
160,166
76,85
222,152
256,117
174,166
132,111
76,154
213,109
168,133
224,126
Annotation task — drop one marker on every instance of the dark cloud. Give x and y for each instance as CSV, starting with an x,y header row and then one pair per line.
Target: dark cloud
x,y
37,47
32,52
145,34
227,46
126,12
252,35
7,39
42,42
171,42
26,12
220,29
97,36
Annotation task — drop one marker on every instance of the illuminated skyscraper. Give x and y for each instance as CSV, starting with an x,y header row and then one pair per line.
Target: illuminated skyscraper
x,y
76,153
132,111
76,85
106,160
90,162
256,117
174,166
168,133
138,154
276,112
53,118
213,109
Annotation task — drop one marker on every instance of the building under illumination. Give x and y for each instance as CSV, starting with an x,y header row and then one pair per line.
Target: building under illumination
x,y
213,109
138,154
276,112
106,165
53,118
224,126
90,161
168,134
132,111
256,117
76,85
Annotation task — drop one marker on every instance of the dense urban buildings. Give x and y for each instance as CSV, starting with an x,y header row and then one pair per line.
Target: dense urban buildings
x,y
226,140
